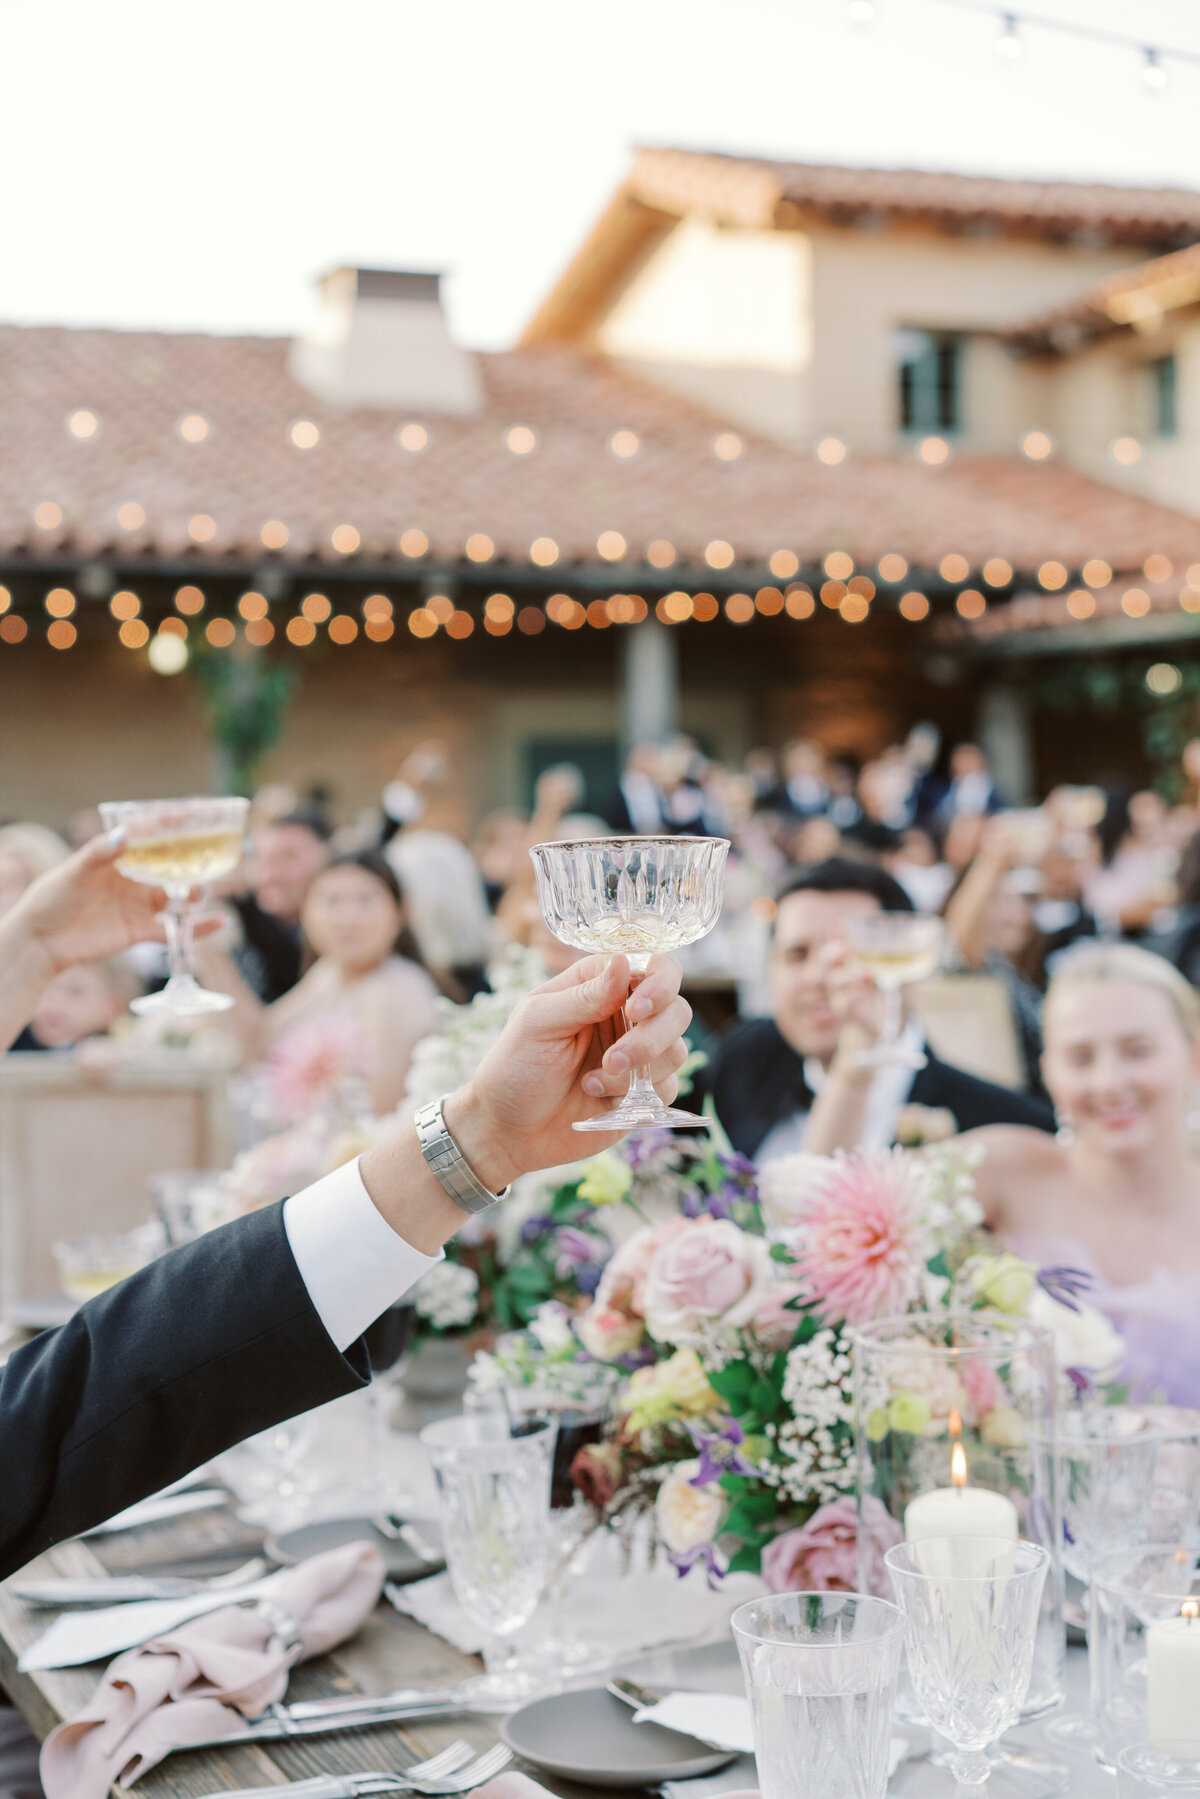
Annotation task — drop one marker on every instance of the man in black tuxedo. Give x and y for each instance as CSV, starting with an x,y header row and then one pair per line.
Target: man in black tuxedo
x,y
264,1317
767,1071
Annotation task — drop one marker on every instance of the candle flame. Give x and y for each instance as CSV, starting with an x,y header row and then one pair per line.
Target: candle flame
x,y
958,1466
954,1424
1189,1610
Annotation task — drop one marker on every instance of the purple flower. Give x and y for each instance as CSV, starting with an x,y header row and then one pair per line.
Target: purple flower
x,y
587,1276
686,1560
574,1247
534,1229
1079,1378
1065,1285
642,1146
690,1203
719,1453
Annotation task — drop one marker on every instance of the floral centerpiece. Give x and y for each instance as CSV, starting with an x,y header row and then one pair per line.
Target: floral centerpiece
x,y
729,1311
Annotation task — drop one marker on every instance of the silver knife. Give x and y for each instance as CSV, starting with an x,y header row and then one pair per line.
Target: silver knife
x,y
104,1590
313,1717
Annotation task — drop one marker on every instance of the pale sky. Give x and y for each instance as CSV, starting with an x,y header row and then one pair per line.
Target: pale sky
x,y
193,164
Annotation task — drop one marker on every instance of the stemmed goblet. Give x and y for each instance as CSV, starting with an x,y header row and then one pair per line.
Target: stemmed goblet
x,y
637,895
972,1610
896,949
494,1494
179,844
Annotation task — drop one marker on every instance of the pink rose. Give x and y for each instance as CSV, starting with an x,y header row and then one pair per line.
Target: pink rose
x,y
623,1283
822,1555
982,1385
608,1334
710,1273
775,1322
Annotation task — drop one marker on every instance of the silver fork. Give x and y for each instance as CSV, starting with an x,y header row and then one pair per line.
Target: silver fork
x,y
415,1779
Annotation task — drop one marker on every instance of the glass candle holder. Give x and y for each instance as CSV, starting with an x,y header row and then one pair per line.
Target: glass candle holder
x,y
821,1672
1148,1771
1143,1653
954,1421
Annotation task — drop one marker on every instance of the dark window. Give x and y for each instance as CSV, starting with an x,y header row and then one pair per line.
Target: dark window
x,y
1166,413
930,371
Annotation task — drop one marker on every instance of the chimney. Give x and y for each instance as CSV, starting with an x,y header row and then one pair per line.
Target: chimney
x,y
381,339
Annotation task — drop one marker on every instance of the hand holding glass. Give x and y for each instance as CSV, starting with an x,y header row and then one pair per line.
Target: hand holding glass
x,y
896,949
638,896
179,845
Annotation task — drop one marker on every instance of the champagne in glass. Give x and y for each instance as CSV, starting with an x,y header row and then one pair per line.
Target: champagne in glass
x,y
896,949
638,896
179,845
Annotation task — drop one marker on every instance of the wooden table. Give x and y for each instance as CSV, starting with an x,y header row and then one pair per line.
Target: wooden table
x,y
388,1651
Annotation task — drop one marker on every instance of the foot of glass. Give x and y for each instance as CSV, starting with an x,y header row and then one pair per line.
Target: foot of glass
x,y
638,1117
1074,1731
182,997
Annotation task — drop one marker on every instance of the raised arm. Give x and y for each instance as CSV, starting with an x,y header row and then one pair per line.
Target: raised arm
x,y
260,1319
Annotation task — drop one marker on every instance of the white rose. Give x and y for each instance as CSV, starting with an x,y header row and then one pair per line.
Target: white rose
x,y
785,1187
1082,1339
688,1516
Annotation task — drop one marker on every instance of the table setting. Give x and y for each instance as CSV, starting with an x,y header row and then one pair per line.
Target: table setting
x,y
774,1483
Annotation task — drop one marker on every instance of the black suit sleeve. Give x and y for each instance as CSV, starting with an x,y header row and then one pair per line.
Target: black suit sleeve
x,y
213,1342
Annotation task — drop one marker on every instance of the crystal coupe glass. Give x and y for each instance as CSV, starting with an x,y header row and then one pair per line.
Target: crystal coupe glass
x,y
636,895
972,1610
896,949
179,844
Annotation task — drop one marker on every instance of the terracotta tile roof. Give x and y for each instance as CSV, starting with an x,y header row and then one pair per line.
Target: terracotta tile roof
x,y
752,189
1137,296
570,488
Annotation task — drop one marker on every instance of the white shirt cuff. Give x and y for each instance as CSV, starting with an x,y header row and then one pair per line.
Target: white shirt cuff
x,y
350,1259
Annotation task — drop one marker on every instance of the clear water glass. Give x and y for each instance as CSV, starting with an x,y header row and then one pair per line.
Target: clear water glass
x,y
494,1494
637,896
1158,1771
971,1605
1107,1457
1131,1590
179,845
821,1672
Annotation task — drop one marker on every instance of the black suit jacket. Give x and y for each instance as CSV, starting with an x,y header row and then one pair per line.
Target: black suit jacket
x,y
213,1342
756,1081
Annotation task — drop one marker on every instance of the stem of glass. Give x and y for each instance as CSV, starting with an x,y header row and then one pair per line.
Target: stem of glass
x,y
970,1768
500,1654
640,1090
893,1017
175,921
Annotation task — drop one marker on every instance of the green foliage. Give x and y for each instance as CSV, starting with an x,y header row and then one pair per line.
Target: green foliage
x,y
1105,685
246,700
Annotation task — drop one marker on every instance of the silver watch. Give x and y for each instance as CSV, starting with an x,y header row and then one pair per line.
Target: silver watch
x,y
448,1163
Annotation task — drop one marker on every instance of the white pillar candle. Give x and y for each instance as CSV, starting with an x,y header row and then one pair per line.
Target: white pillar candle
x,y
960,1510
1173,1677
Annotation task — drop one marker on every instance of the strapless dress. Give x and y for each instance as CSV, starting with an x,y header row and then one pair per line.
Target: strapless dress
x,y
1158,1317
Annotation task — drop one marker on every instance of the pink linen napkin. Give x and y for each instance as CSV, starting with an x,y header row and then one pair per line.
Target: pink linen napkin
x,y
519,1786
204,1679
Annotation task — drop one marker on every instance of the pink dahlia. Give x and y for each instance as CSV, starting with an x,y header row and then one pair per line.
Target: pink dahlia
x,y
860,1246
312,1060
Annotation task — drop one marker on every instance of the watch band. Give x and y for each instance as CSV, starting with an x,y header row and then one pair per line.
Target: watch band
x,y
447,1162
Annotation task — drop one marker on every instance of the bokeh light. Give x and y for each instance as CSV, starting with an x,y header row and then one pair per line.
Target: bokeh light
x,y
933,451
315,608
1164,678
274,534
1158,568
345,539
124,604
892,567
83,423
784,564
1135,602
252,605
193,427
220,633
831,451
997,572
135,633
970,603
1081,603
727,446
305,435
1096,573
61,634
413,543
544,552
914,606
954,568
1052,576
342,628
624,444
660,553
168,654
47,516
611,546
799,602
520,440
60,602
739,608
412,437
479,547
202,528
189,600
718,554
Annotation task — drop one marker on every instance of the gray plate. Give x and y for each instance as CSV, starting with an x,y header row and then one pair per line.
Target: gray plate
x,y
591,1737
402,1563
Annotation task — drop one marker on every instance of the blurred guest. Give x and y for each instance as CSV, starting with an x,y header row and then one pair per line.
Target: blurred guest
x,y
1117,1192
917,864
991,921
841,773
1137,862
762,772
884,787
500,846
408,795
365,973
285,854
636,809
972,791
26,851
83,1001
274,799
766,1072
804,790
1180,943
447,909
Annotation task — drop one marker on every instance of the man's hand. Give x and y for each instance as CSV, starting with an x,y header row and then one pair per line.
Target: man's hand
x,y
852,994
83,910
563,1055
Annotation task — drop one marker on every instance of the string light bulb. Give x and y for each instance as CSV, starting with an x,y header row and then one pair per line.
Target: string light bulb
x,y
1154,76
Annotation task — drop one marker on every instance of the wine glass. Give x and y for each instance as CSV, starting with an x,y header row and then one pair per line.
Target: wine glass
x,y
972,1610
638,895
1106,1458
896,949
494,1493
178,844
